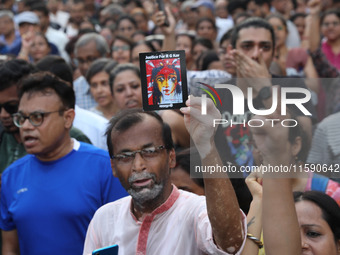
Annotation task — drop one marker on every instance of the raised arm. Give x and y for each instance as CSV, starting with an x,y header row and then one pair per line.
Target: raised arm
x,y
313,25
223,209
169,42
254,217
280,225
322,66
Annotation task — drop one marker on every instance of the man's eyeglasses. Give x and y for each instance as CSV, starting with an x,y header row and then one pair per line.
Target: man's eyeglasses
x,y
117,48
88,61
147,154
35,118
10,106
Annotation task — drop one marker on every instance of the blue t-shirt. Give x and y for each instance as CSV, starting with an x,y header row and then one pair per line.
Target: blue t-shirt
x,y
51,203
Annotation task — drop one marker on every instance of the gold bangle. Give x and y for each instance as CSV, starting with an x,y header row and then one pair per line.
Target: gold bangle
x,y
255,240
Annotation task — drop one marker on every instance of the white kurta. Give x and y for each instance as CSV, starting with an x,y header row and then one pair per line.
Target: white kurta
x,y
179,226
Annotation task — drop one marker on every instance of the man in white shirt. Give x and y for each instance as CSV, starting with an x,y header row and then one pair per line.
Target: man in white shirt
x,y
158,218
88,48
56,15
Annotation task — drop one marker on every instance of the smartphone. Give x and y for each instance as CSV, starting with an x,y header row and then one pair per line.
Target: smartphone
x,y
161,8
109,250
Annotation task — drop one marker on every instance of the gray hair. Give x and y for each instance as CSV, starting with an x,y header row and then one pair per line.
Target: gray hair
x,y
101,45
6,13
113,10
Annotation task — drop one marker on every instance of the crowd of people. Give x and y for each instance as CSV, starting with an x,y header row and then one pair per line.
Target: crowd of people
x,y
105,172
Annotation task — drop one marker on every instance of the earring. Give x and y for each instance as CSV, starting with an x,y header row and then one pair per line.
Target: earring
x,y
298,161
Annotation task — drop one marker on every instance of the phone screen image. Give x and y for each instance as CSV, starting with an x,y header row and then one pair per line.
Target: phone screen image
x,y
109,250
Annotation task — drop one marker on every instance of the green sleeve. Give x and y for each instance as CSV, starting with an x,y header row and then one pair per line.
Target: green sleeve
x,y
79,135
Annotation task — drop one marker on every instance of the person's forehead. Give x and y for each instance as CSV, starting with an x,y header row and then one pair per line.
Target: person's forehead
x,y
9,94
39,98
276,20
78,6
225,43
120,42
279,1
205,23
26,24
221,3
125,22
141,48
183,37
102,75
39,13
299,19
331,16
251,4
5,17
147,131
309,213
125,77
254,34
88,49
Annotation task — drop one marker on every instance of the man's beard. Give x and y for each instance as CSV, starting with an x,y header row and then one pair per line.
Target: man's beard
x,y
144,194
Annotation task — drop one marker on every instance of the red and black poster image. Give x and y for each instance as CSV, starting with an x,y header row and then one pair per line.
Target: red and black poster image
x,y
164,83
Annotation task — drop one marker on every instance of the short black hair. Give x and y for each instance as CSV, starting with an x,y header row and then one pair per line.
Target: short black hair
x,y
124,39
336,12
12,71
236,4
138,3
100,65
244,15
139,32
121,68
146,43
78,1
280,17
297,15
203,41
329,208
206,19
44,82
226,36
40,7
128,17
58,66
125,119
252,22
190,35
262,2
206,58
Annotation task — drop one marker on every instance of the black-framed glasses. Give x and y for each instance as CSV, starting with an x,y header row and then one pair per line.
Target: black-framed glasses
x,y
146,153
35,118
10,106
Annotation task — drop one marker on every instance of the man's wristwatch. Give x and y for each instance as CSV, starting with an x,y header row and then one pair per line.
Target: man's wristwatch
x,y
265,93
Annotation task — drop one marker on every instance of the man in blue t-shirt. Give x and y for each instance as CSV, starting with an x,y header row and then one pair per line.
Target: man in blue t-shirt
x,y
49,197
